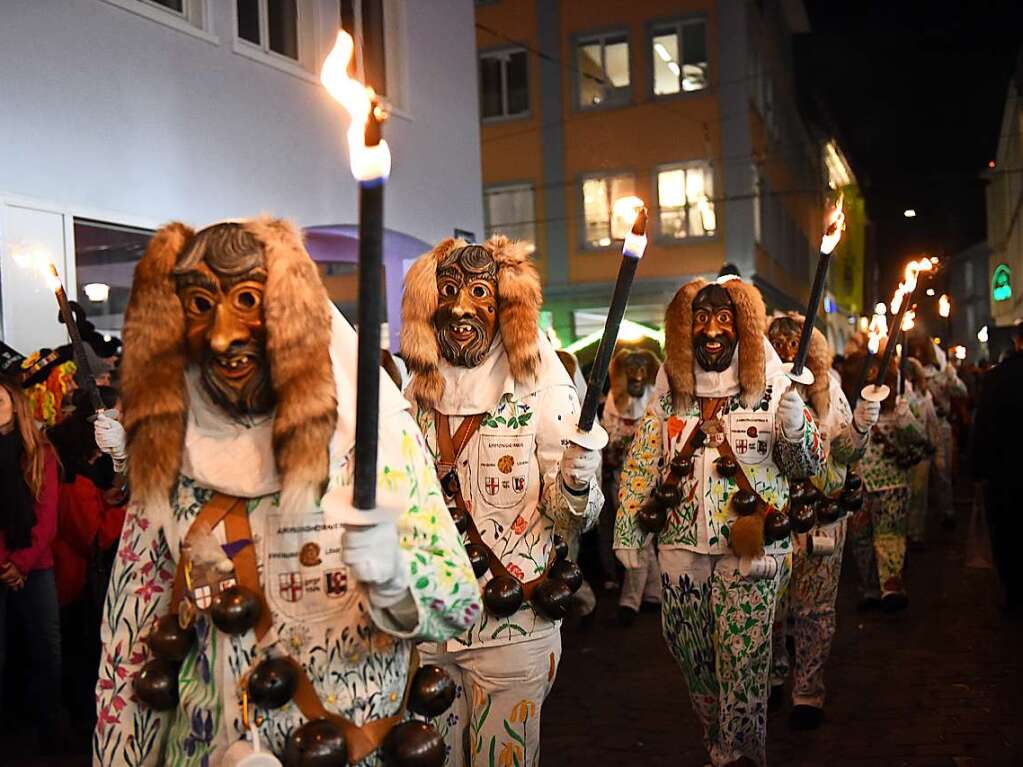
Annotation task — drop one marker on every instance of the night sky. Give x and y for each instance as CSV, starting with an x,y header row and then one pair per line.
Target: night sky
x,y
915,91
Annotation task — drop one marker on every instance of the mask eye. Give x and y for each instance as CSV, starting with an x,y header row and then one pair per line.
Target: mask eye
x,y
448,289
247,299
201,304
480,291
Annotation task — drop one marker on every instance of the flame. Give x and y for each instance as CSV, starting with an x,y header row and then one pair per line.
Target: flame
x,y
833,228
944,305
37,258
626,207
908,320
877,330
368,163
910,274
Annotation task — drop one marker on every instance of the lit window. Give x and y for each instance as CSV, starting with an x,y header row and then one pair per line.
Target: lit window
x,y
510,211
680,57
375,27
685,200
504,85
273,25
603,227
603,67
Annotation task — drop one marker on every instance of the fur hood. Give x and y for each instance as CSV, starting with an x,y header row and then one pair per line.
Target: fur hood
x,y
518,313
818,362
750,324
298,326
619,382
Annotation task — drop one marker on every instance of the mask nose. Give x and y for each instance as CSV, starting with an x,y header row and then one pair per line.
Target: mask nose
x,y
462,306
227,330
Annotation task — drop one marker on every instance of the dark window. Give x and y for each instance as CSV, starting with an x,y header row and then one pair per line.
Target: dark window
x,y
248,21
491,91
174,5
282,23
374,61
504,84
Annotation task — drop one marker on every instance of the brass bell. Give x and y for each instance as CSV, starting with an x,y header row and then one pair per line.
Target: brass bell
x,y
568,572
651,518
503,596
682,465
667,496
744,502
552,599
156,684
803,518
829,511
853,481
236,609
432,692
460,518
478,558
273,683
560,546
727,467
317,743
777,526
169,640
851,501
414,744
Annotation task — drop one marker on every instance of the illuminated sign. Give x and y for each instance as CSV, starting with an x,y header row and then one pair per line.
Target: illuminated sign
x,y
1001,283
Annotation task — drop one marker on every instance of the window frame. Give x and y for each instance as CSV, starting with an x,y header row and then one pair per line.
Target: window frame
x,y
506,51
307,29
584,243
677,22
195,20
395,60
620,97
686,165
512,186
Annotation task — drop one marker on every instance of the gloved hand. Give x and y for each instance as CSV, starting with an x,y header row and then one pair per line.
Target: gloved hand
x,y
373,556
111,437
903,415
866,415
579,467
790,412
629,558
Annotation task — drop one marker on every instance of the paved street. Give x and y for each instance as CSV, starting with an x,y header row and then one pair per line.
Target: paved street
x,y
940,685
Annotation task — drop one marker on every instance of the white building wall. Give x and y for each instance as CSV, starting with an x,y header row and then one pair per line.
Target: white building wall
x,y
107,114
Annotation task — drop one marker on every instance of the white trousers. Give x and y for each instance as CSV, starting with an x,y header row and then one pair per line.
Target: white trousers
x,y
642,584
495,719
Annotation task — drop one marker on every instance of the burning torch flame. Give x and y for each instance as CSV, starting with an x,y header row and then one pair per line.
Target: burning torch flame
x,y
35,257
368,162
633,211
908,320
626,208
944,305
908,285
877,330
833,230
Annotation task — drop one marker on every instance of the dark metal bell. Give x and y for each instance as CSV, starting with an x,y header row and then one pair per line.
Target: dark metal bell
x,y
744,502
503,595
156,684
413,744
552,598
682,466
560,546
803,518
853,481
828,512
668,496
236,609
568,572
851,501
169,640
317,743
273,683
460,518
651,518
802,494
777,526
727,467
432,692
478,558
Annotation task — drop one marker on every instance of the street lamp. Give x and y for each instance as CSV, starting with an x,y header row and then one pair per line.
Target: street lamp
x,y
909,213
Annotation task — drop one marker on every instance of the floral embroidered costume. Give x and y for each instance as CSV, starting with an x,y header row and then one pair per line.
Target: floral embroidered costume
x,y
720,375
809,601
279,468
508,473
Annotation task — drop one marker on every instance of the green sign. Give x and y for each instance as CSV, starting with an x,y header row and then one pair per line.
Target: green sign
x,y
1001,283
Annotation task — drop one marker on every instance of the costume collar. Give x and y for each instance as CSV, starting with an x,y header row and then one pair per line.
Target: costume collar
x,y
726,383
636,405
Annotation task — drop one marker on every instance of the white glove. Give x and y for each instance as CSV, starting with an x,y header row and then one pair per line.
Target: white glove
x,y
790,411
903,415
373,556
629,558
866,415
579,467
110,437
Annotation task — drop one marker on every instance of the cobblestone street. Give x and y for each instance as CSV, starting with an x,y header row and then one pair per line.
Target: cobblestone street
x,y
939,685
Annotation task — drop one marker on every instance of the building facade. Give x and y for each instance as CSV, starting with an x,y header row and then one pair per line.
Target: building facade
x,y
688,105
120,115
967,282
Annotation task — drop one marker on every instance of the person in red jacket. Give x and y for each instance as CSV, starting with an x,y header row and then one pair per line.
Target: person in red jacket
x,y
28,523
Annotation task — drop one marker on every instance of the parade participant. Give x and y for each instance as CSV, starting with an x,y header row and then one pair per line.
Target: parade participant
x,y
709,469
247,599
632,374
497,408
921,404
817,554
877,531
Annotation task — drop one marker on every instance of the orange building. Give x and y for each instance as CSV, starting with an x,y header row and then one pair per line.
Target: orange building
x,y
687,104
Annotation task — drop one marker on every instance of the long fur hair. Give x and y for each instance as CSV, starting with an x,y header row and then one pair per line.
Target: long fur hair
x,y
518,311
298,347
33,442
619,382
818,361
750,325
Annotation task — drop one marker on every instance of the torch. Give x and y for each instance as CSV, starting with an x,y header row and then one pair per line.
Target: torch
x,y
903,349
35,257
588,434
945,310
875,332
832,234
877,391
371,164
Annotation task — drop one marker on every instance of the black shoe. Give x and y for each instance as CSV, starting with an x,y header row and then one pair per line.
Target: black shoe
x,y
775,698
805,717
626,616
649,606
868,604
893,603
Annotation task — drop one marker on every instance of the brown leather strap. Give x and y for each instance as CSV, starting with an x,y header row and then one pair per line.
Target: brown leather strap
x,y
450,449
237,528
708,410
209,516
